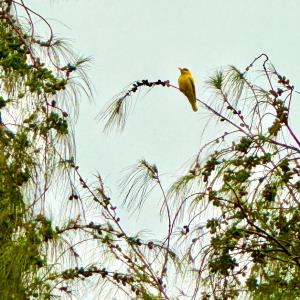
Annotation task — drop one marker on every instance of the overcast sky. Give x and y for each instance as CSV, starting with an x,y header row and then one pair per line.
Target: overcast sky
x,y
138,39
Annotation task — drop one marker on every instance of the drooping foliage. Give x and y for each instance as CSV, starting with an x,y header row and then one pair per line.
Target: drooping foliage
x,y
232,219
59,235
235,214
35,136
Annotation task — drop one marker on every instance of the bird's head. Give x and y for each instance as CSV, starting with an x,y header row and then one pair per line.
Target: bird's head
x,y
184,71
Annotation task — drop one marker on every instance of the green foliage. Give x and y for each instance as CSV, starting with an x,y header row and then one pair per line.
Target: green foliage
x,y
249,182
41,253
232,220
31,124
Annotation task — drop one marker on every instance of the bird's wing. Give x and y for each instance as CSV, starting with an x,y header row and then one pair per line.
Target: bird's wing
x,y
193,86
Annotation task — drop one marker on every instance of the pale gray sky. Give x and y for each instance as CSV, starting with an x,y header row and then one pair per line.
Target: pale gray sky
x,y
138,39
141,39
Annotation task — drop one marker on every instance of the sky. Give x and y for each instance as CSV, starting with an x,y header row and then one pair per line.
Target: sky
x,y
138,39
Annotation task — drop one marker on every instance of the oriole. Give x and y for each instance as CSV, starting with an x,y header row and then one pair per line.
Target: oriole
x,y
187,86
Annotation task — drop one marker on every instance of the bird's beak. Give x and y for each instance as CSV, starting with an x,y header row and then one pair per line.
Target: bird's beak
x,y
180,69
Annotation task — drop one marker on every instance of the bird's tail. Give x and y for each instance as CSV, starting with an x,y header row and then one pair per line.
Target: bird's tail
x,y
194,106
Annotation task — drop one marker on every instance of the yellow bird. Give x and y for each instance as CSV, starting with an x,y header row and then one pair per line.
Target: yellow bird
x,y
187,86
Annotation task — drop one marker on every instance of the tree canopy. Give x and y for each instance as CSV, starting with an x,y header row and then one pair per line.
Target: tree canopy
x,y
233,220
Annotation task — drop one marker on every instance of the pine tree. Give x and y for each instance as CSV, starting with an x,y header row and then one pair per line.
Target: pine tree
x,y
232,220
51,246
234,216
